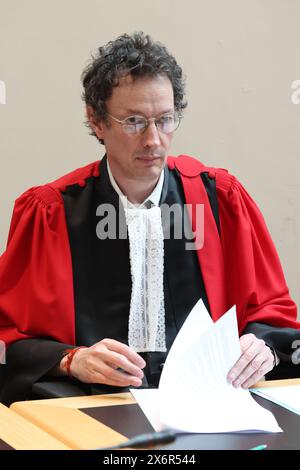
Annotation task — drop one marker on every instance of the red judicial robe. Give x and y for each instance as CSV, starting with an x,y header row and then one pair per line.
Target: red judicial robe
x,y
240,266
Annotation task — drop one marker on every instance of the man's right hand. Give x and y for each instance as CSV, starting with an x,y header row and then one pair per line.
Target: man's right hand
x,y
108,362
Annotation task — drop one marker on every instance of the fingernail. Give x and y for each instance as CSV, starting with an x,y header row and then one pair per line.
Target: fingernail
x,y
136,382
142,363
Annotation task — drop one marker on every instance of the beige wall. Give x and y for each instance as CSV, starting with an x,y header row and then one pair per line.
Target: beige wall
x,y
240,57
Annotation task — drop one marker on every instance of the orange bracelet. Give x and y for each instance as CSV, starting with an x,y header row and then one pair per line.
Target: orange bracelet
x,y
70,354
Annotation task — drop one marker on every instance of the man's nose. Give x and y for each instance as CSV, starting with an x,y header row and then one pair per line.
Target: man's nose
x,y
151,137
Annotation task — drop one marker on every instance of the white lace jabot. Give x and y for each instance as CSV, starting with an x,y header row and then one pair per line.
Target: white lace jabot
x,y
146,328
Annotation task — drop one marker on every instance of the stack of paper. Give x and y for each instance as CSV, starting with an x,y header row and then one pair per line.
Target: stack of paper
x,y
194,394
287,396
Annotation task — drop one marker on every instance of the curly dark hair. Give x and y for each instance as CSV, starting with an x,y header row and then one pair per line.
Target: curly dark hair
x,y
137,55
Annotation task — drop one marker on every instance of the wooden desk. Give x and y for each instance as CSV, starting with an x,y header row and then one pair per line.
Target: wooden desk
x,y
61,418
23,435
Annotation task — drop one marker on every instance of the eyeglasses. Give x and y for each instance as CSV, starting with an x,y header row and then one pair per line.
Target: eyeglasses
x,y
166,123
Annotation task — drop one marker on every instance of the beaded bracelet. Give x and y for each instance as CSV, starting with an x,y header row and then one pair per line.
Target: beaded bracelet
x,y
70,353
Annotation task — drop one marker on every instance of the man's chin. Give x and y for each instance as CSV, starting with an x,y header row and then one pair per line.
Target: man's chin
x,y
151,170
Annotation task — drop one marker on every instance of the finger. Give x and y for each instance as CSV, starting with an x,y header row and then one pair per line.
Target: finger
x,y
119,361
118,374
254,366
249,351
126,351
100,372
257,375
94,361
115,378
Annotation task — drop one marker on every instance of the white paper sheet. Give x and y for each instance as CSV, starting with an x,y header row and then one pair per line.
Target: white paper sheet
x,y
193,393
286,396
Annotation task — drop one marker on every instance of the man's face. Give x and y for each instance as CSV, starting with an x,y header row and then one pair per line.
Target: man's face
x,y
137,156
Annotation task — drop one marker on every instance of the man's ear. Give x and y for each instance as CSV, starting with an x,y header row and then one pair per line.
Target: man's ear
x,y
96,124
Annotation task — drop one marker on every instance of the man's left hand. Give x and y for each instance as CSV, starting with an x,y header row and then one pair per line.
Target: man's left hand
x,y
255,361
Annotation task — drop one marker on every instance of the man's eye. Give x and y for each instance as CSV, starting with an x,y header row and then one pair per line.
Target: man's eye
x,y
166,119
134,120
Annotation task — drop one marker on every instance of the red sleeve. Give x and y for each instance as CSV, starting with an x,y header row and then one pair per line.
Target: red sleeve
x,y
254,275
36,287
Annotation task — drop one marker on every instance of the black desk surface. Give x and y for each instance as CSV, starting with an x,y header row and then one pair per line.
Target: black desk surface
x,y
4,445
288,439
129,421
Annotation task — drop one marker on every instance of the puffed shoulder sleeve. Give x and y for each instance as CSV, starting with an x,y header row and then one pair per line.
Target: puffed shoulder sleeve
x,y
36,289
254,273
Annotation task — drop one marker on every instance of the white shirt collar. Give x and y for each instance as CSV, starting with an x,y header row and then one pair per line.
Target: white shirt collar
x,y
153,198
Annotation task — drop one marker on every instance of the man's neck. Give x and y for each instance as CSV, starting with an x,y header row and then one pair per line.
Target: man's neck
x,y
136,191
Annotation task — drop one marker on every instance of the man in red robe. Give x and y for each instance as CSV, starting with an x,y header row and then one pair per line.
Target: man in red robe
x,y
63,286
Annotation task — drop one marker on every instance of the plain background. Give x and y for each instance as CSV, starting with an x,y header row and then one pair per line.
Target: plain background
x,y
240,58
